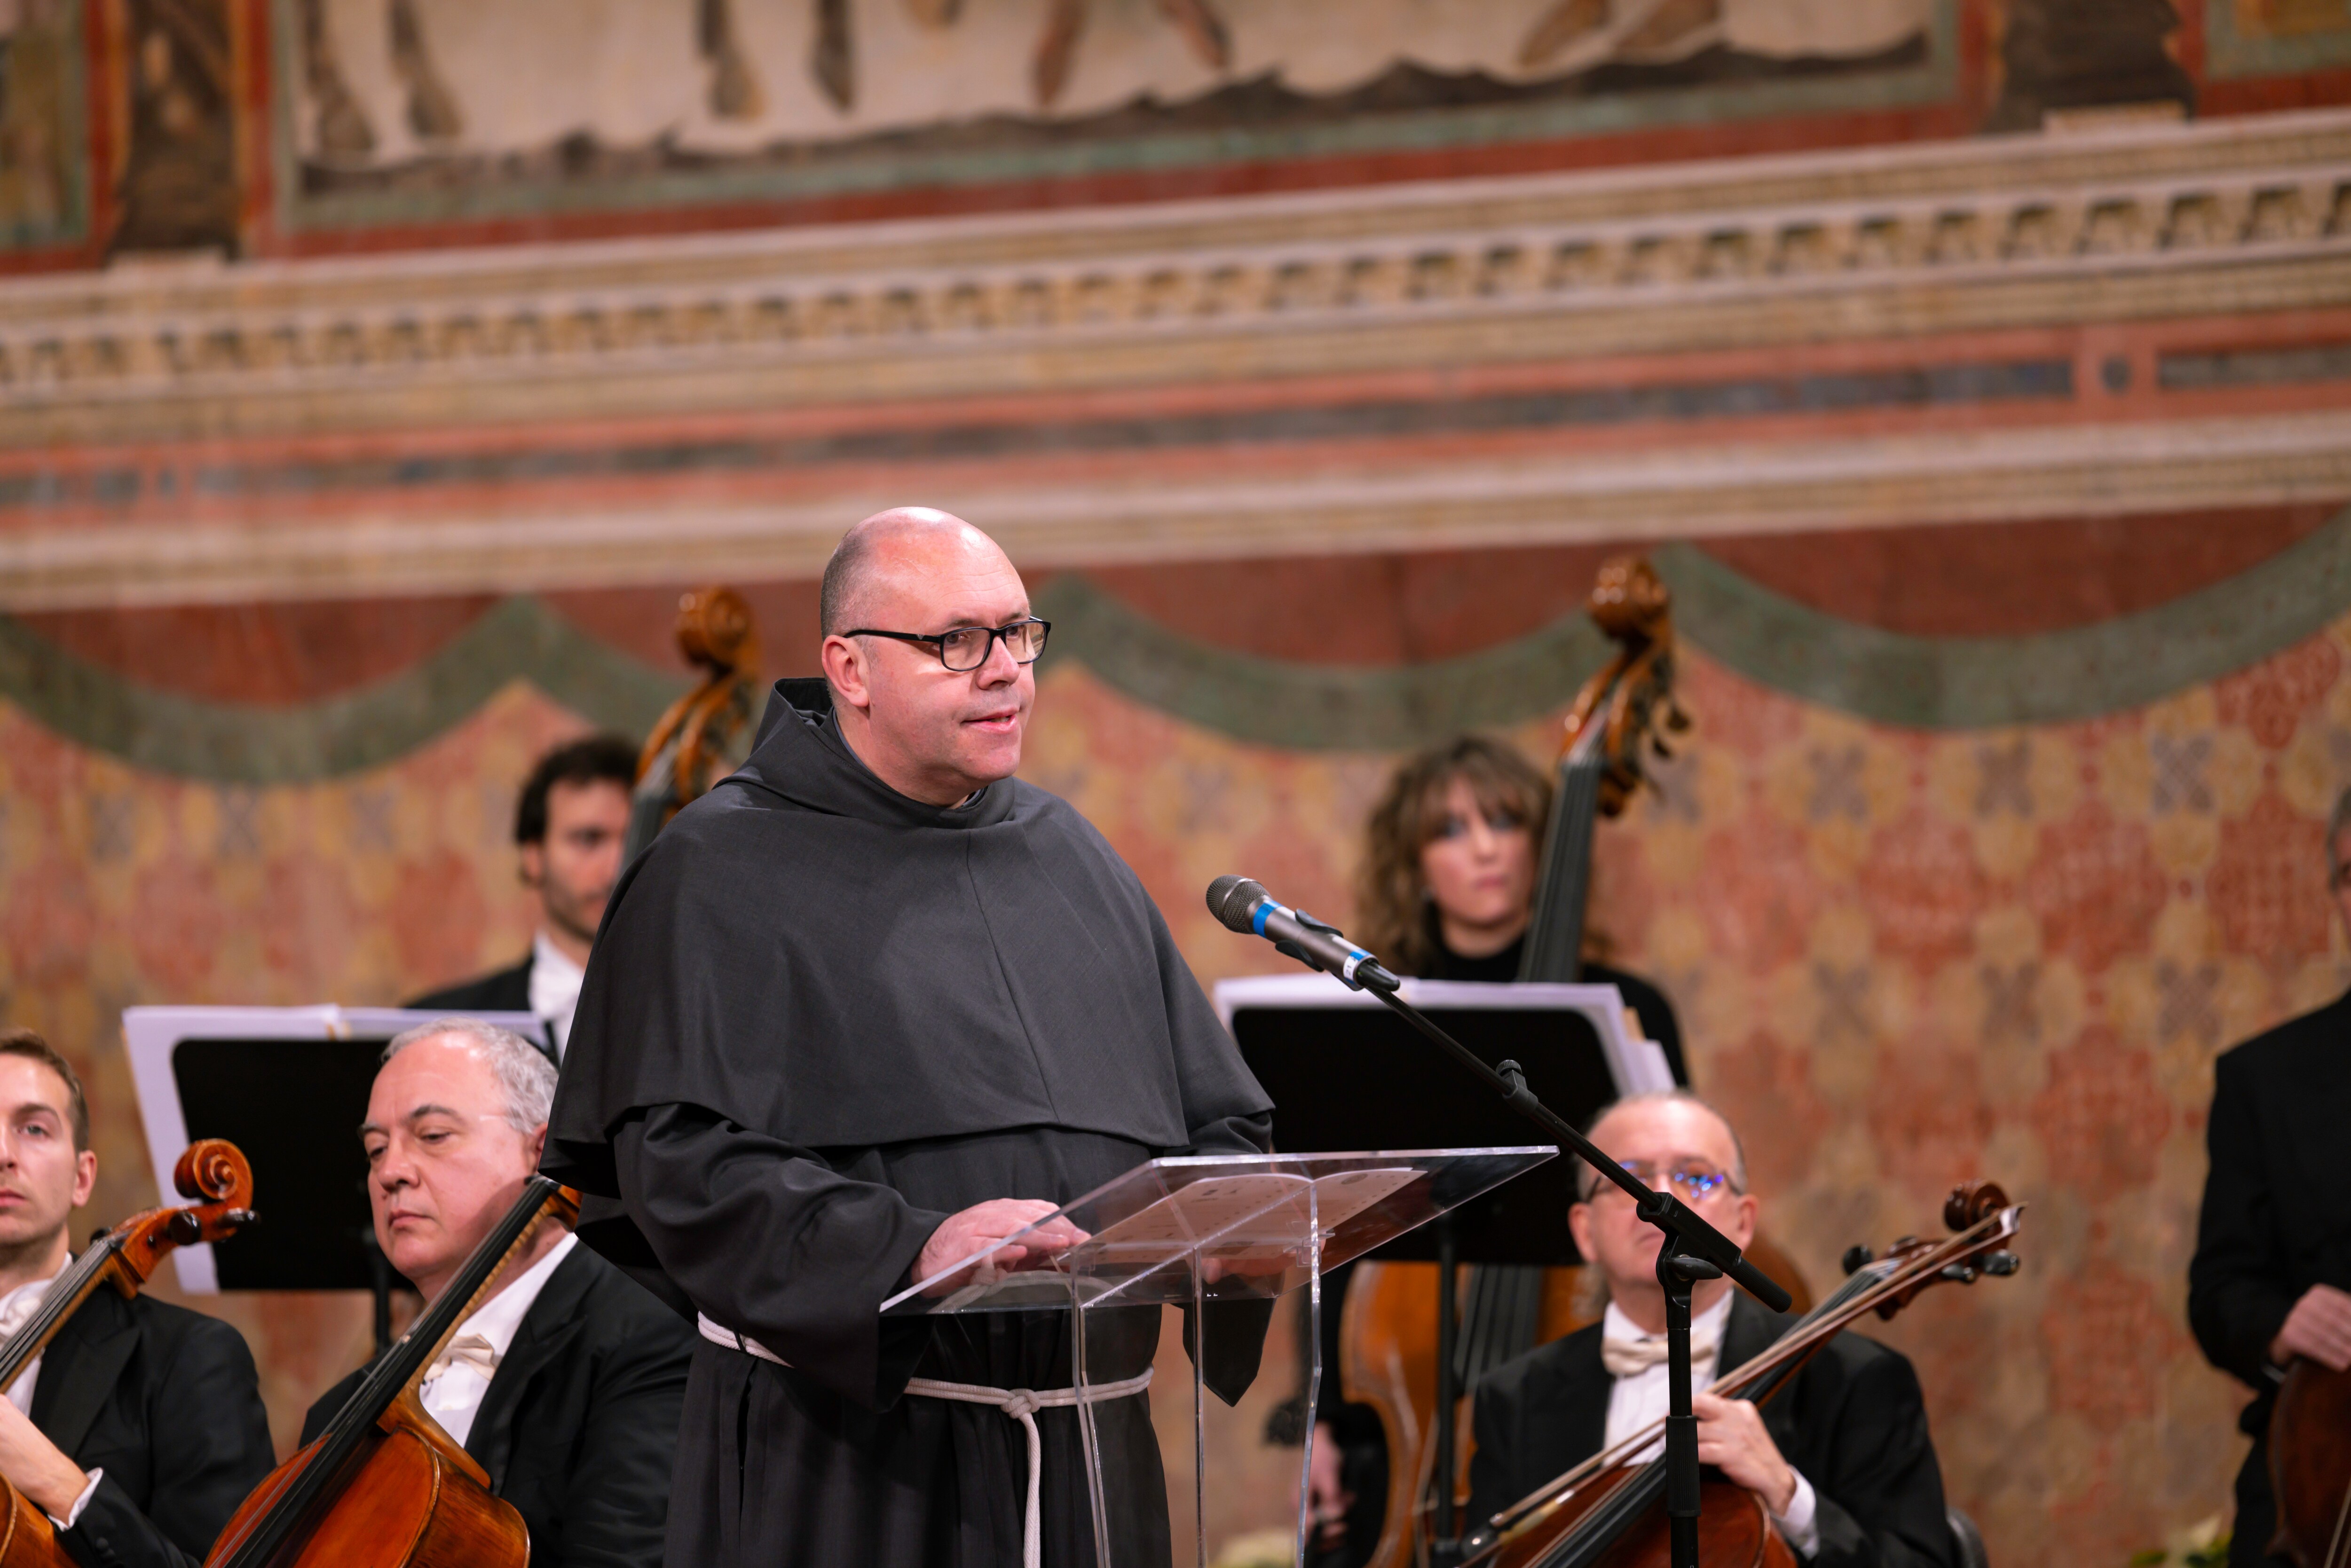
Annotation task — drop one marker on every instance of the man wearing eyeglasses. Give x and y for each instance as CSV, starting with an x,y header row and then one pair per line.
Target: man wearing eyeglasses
x,y
1841,1458
868,1007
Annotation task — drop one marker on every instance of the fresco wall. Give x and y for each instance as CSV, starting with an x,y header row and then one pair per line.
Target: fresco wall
x,y
1978,372
1966,869
277,126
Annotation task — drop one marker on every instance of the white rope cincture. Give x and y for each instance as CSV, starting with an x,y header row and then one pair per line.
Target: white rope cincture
x,y
1020,1404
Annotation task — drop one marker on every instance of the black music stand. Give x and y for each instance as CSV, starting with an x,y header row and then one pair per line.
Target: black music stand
x,y
289,1087
1345,1073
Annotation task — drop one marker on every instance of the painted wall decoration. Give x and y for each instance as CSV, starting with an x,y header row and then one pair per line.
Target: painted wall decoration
x,y
44,174
1914,932
2265,38
175,175
431,109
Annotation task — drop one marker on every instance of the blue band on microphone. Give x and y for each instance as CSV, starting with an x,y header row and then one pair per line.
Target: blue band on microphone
x,y
1258,915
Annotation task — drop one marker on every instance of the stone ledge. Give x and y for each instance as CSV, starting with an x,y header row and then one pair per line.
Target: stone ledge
x,y
2140,221
2080,470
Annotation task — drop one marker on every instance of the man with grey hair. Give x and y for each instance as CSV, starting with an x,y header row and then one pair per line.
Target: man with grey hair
x,y
872,1005
1841,1458
2270,1281
565,1382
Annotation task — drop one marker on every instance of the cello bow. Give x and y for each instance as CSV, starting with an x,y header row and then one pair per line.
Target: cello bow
x,y
1614,1500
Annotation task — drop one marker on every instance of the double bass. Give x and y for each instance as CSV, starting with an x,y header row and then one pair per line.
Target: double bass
x,y
1609,1508
211,1170
705,734
1389,1334
384,1486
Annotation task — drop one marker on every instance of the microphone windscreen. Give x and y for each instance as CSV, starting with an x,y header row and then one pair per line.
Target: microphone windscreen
x,y
1230,900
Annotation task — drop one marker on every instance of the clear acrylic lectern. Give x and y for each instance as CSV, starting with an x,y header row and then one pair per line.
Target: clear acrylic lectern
x,y
1199,1231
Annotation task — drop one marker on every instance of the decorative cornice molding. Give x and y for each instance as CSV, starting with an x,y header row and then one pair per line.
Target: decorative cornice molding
x,y
1678,492
1994,232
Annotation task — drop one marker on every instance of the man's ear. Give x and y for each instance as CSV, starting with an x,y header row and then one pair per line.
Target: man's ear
x,y
844,667
1579,1226
530,865
85,1176
536,1145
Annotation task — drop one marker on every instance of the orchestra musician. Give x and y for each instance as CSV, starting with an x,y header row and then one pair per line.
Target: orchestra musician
x,y
1841,1458
1445,891
2270,1278
565,1383
1447,887
570,823
139,1429
868,1006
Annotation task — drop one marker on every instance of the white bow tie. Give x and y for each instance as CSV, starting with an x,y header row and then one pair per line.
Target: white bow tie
x,y
470,1351
1630,1357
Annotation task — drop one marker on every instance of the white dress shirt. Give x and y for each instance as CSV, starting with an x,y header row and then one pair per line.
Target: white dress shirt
x,y
454,1384
16,1310
554,989
1637,1401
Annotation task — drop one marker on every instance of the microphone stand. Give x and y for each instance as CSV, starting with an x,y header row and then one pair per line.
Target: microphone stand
x,y
1693,1251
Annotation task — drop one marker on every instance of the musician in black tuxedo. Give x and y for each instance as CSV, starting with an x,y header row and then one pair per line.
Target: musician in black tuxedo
x,y
2270,1281
139,1429
1841,1458
570,820
566,1383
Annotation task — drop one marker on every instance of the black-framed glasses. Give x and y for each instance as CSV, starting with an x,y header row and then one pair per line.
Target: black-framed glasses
x,y
966,648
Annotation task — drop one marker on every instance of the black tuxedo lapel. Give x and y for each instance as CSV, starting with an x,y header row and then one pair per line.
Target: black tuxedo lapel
x,y
1752,1330
550,1324
81,1366
1584,1387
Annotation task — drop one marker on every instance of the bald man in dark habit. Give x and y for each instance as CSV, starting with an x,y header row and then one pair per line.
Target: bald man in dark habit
x,y
867,1006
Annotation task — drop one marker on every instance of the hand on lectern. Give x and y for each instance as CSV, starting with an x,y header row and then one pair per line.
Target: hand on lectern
x,y
985,1224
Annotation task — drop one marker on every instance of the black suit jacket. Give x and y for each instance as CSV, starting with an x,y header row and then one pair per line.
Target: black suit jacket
x,y
579,1425
165,1401
2276,1217
1854,1423
504,991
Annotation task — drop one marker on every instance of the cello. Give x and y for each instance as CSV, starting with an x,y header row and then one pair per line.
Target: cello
x,y
2310,1466
211,1170
384,1486
1609,1508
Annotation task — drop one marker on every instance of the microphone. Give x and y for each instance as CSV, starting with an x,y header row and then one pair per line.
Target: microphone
x,y
1245,906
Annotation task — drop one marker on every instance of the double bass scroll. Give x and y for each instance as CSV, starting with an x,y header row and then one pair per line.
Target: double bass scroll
x,y
705,734
1617,717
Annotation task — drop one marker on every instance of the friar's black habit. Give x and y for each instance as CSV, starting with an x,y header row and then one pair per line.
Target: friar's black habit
x,y
820,1018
